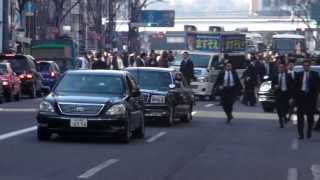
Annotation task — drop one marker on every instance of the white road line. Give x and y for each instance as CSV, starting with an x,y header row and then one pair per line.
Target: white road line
x,y
194,113
292,174
18,110
295,145
95,170
315,169
209,105
155,137
17,133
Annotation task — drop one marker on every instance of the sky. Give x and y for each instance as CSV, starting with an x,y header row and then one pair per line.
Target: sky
x,y
203,7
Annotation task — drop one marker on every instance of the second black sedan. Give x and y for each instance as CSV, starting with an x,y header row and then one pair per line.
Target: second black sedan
x,y
93,102
166,94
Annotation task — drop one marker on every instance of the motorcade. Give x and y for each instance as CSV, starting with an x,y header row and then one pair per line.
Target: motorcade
x,y
266,95
10,82
87,102
25,67
166,94
49,71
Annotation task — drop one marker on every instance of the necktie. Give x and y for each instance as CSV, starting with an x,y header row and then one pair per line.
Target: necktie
x,y
228,79
307,82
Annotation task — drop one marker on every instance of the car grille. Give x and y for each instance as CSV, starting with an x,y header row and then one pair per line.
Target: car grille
x,y
77,109
146,97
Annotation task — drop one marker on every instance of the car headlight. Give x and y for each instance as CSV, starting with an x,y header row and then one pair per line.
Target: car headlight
x,y
203,79
157,99
46,107
118,109
266,86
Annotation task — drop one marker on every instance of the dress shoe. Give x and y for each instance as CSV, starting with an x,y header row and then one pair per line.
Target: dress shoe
x,y
281,126
309,136
301,137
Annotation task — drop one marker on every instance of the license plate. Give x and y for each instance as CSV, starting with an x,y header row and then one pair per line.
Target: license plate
x,y
79,122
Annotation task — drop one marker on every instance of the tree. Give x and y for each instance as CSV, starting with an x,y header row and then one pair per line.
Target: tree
x,y
135,7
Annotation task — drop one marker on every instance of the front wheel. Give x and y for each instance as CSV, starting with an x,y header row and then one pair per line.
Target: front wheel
x,y
188,117
170,121
43,134
8,95
126,135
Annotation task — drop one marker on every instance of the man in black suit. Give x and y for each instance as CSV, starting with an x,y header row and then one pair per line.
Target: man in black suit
x,y
282,85
250,78
230,87
187,67
306,92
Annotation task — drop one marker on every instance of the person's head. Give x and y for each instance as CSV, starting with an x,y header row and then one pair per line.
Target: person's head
x,y
290,66
228,65
306,65
281,68
99,55
143,55
185,55
164,55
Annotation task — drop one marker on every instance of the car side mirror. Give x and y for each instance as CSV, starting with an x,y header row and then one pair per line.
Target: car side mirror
x,y
46,90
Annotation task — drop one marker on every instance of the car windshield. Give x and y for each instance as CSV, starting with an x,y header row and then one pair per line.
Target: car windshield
x,y
3,69
153,80
18,65
91,84
199,60
43,67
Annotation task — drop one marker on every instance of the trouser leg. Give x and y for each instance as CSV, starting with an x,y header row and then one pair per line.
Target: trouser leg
x,y
301,123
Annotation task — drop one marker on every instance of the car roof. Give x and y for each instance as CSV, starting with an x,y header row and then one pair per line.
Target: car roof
x,y
49,62
98,72
151,69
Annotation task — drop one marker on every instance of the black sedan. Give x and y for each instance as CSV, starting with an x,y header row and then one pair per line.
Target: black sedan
x,y
166,94
93,103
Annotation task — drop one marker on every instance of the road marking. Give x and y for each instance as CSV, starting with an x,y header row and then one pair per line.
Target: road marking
x,y
209,105
194,113
155,137
238,115
17,133
295,145
18,110
292,174
95,170
315,169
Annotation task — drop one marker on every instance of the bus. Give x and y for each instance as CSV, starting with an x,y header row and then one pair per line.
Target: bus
x,y
292,44
62,51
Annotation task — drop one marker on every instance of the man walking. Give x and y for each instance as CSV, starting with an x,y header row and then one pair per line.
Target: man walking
x,y
250,78
307,88
230,87
282,84
187,67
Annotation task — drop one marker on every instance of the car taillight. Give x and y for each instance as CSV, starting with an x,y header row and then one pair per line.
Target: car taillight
x,y
5,83
29,76
22,76
52,74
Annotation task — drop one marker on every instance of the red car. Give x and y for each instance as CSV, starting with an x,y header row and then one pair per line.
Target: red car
x,y
11,82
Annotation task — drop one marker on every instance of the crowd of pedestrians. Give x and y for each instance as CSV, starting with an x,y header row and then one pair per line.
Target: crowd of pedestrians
x,y
114,60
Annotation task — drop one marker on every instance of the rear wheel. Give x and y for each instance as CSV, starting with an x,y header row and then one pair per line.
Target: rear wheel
x,y
43,134
8,95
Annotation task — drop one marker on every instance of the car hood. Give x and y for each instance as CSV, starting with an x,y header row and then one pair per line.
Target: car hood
x,y
84,98
154,92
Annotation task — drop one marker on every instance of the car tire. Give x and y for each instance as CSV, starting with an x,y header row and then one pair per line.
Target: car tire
x,y
170,121
140,131
126,135
1,99
33,92
43,134
8,96
188,117
268,107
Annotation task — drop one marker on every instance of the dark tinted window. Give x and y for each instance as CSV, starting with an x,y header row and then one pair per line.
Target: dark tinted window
x,y
41,67
3,69
18,64
91,84
153,80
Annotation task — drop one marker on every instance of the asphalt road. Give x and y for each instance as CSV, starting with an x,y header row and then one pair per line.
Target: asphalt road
x,y
251,148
